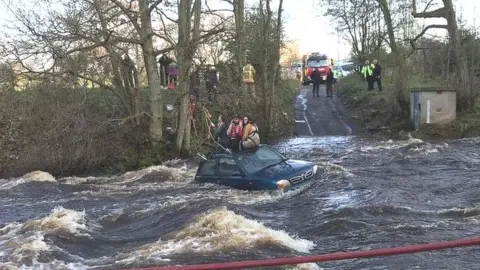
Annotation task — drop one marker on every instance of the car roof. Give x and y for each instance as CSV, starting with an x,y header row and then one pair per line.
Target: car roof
x,y
236,154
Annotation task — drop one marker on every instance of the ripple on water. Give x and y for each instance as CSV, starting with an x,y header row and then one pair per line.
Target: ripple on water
x,y
370,194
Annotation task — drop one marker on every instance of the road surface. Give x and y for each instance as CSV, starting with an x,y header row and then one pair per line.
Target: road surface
x,y
321,116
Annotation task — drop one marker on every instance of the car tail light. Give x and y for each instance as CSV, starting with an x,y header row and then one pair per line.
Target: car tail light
x,y
283,184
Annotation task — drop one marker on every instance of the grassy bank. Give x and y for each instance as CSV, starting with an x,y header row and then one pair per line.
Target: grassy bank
x,y
68,131
375,112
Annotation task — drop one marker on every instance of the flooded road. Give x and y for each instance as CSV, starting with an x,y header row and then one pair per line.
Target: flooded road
x,y
371,194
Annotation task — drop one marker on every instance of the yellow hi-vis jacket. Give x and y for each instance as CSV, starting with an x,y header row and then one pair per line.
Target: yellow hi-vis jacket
x,y
248,73
367,70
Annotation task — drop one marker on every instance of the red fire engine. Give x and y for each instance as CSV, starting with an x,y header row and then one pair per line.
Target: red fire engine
x,y
312,61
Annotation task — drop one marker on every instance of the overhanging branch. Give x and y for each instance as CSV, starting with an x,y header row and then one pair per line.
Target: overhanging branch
x,y
200,38
438,13
431,26
132,17
154,5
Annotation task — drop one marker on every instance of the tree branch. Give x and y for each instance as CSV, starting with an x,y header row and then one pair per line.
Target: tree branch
x,y
167,17
109,39
128,13
438,13
78,75
167,36
200,38
154,5
412,41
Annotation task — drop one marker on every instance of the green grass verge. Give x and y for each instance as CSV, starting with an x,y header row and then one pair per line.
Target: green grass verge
x,y
373,110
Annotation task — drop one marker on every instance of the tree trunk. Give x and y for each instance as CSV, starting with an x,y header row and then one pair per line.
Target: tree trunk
x,y
239,12
399,70
192,47
267,17
184,16
464,92
465,98
186,50
275,67
115,63
149,58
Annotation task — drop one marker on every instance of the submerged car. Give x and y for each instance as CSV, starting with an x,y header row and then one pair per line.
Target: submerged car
x,y
262,168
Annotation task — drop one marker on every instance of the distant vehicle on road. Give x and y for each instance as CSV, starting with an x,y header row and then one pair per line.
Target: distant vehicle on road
x,y
338,72
296,67
312,61
346,67
262,168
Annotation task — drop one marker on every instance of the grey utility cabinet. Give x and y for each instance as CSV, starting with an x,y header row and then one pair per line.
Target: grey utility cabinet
x,y
432,106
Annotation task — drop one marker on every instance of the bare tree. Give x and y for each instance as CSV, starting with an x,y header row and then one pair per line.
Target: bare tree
x,y
188,35
239,13
356,19
465,95
275,66
75,45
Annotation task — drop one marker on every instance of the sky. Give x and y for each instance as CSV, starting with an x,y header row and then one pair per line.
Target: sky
x,y
311,30
306,25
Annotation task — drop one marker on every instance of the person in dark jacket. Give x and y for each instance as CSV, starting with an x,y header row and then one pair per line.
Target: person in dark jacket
x,y
377,74
164,61
128,71
220,132
211,83
317,78
329,82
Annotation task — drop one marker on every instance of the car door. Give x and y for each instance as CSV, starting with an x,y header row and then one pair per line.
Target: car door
x,y
229,174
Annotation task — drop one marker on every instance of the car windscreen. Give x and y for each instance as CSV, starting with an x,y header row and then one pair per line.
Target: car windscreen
x,y
348,67
317,63
258,160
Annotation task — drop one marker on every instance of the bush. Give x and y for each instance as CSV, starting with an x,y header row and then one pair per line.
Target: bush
x,y
231,101
65,129
375,111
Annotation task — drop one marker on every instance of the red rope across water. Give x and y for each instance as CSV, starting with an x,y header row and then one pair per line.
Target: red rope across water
x,y
325,257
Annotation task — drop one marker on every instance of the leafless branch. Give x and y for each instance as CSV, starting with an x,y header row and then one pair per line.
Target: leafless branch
x,y
154,5
166,36
414,40
200,39
167,17
131,16
438,13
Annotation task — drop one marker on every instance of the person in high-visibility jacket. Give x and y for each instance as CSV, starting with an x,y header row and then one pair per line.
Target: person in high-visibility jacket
x,y
367,72
249,78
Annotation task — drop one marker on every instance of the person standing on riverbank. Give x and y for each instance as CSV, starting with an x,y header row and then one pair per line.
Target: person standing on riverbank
x,y
367,72
377,74
249,78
